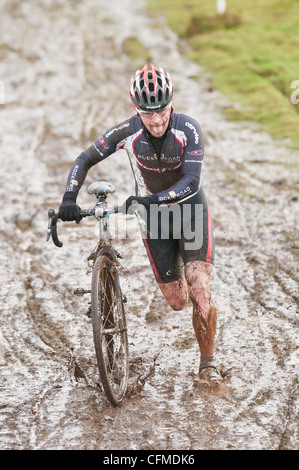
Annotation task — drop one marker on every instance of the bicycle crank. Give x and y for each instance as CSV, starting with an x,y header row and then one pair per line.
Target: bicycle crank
x,y
80,291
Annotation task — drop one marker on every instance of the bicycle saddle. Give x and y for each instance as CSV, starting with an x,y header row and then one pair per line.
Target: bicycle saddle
x,y
101,187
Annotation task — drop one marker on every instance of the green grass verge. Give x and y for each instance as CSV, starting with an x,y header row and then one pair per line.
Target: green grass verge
x,y
252,52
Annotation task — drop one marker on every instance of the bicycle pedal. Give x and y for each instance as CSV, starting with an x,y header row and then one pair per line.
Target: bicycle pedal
x,y
80,291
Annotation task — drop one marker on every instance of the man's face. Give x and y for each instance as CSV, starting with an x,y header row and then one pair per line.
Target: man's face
x,y
156,122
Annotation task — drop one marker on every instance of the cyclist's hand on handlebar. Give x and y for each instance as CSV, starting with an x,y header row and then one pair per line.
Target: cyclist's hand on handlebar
x,y
129,203
68,209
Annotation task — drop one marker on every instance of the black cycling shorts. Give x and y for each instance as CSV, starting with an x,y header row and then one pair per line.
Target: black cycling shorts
x,y
179,234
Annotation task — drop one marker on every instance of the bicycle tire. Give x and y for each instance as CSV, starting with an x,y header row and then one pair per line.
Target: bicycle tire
x,y
109,327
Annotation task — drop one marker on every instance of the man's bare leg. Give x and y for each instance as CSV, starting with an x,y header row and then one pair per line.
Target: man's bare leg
x,y
198,275
176,293
196,285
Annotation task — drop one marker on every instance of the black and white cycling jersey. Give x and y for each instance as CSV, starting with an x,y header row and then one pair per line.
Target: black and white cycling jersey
x,y
172,174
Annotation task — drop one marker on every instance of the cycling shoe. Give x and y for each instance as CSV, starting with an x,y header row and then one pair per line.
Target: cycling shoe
x,y
210,374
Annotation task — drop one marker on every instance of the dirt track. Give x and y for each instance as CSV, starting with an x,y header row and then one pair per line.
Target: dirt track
x,y
66,80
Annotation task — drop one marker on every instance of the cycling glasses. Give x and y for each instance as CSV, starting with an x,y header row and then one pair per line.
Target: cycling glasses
x,y
150,114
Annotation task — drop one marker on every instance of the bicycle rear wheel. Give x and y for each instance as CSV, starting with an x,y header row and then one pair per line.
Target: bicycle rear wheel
x,y
109,327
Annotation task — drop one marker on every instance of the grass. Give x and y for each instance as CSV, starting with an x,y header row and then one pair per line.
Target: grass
x,y
252,53
135,49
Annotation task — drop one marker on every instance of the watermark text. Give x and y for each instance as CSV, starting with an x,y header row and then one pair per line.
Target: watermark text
x,y
295,95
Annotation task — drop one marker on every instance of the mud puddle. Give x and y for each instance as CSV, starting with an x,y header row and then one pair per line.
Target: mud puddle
x,y
66,80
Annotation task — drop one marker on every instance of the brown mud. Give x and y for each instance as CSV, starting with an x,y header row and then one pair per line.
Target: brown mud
x,y
66,75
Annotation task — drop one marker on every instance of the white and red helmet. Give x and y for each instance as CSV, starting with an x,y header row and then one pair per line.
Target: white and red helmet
x,y
151,89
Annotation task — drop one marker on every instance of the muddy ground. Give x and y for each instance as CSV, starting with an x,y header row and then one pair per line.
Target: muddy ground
x,y
66,79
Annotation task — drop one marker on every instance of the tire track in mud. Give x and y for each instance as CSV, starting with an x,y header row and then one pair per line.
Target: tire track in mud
x,y
60,95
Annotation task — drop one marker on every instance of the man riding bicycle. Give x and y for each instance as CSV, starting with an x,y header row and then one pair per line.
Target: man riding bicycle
x,y
166,151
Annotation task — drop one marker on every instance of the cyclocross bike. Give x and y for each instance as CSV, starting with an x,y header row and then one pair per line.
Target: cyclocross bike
x,y
107,302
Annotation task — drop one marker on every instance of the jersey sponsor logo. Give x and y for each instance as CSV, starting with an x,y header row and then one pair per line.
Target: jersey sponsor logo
x,y
74,172
173,194
117,129
196,136
73,182
153,158
171,159
196,152
103,142
146,157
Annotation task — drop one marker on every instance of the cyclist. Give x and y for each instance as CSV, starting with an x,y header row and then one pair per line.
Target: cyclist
x,y
166,151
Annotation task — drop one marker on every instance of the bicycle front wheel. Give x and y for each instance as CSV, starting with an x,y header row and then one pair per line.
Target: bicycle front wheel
x,y
109,328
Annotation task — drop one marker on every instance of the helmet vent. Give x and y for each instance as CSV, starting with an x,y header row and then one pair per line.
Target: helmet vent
x,y
151,89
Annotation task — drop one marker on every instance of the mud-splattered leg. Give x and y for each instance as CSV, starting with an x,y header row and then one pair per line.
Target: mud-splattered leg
x,y
204,312
196,285
176,293
198,275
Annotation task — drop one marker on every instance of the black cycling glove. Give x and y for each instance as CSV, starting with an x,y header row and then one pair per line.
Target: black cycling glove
x,y
146,201
68,209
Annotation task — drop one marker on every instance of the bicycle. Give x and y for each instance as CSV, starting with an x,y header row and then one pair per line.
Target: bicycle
x,y
107,302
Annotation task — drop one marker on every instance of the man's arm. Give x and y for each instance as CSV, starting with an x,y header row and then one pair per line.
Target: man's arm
x,y
189,183
98,151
